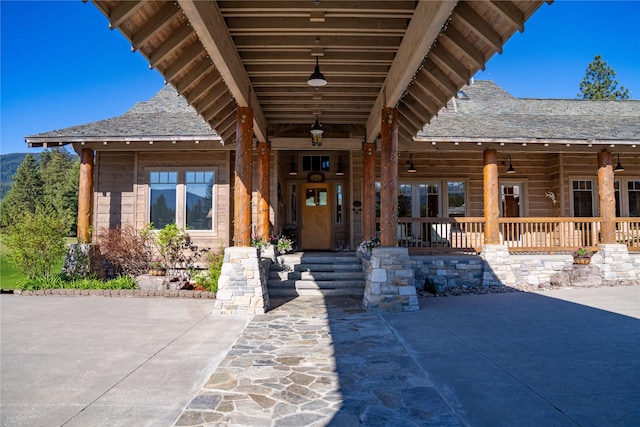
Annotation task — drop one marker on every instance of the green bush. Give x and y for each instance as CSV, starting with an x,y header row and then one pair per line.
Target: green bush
x,y
60,281
208,279
36,242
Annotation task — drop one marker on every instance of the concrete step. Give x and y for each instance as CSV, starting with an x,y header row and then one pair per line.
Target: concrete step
x,y
316,284
316,275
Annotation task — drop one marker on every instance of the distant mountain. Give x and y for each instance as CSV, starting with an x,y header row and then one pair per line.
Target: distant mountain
x,y
8,166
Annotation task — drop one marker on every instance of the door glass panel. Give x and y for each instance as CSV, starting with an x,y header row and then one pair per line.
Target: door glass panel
x,y
404,201
310,197
322,197
634,198
429,200
582,198
510,199
456,198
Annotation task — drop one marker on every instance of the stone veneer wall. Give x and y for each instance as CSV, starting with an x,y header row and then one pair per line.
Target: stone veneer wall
x,y
389,284
242,286
500,268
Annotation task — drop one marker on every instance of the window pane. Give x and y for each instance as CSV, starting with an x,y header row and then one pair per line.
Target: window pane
x,y
456,198
634,198
322,197
429,200
162,201
404,201
339,201
310,197
378,190
199,203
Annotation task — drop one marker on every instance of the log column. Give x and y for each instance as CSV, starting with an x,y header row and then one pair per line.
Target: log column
x,y
606,191
243,177
85,196
264,186
491,196
369,191
389,178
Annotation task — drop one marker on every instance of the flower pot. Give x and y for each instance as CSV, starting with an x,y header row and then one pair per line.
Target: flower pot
x,y
582,261
158,271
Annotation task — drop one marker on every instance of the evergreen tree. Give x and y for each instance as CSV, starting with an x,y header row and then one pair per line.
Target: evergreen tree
x,y
600,82
60,171
26,194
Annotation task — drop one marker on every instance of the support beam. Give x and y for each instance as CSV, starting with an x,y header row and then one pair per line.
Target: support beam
x,y
606,192
208,22
389,178
491,196
243,178
369,190
85,196
427,22
264,186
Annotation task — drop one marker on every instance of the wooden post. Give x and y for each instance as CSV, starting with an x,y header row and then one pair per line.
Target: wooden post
x,y
389,178
369,190
85,196
491,196
243,177
606,191
264,183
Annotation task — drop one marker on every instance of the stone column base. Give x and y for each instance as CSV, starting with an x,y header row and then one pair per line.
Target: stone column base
x,y
242,286
614,262
389,281
83,259
497,266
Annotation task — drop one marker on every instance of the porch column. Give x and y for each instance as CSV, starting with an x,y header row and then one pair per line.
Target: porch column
x,y
389,178
264,183
491,196
369,190
243,176
606,191
85,196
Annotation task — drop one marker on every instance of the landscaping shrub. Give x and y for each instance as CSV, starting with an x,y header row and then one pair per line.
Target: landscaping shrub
x,y
36,242
130,251
176,249
61,281
208,279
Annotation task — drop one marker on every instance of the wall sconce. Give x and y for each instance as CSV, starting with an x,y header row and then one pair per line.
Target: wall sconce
x,y
504,162
412,169
316,133
619,167
294,169
339,171
317,78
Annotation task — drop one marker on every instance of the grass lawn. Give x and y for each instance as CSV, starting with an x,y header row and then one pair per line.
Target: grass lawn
x,y
10,275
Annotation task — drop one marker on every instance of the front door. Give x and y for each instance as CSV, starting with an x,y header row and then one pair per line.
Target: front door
x,y
316,217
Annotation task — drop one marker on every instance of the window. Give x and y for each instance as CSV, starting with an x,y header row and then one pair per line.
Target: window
x,y
511,200
163,208
316,197
199,205
316,163
405,197
582,198
634,198
293,204
182,197
429,200
456,199
339,204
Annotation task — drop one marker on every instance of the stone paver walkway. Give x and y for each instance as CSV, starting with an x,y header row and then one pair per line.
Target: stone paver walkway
x,y
314,362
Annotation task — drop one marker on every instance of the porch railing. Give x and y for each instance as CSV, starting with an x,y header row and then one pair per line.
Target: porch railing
x,y
466,235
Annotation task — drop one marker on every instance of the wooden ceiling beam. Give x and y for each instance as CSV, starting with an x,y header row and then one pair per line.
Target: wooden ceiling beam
x,y
171,44
216,108
121,12
452,35
195,74
429,89
445,61
328,6
478,26
302,25
192,53
510,12
425,99
209,24
262,56
158,21
203,88
211,89
223,117
355,43
435,75
414,47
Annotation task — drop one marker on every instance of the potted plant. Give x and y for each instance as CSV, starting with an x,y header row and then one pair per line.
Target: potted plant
x,y
582,255
157,268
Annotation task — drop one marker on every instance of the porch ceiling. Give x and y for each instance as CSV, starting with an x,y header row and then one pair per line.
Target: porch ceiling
x,y
413,55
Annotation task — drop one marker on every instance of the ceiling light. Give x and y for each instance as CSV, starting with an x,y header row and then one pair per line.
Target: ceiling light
x,y
317,79
504,162
412,169
316,133
619,167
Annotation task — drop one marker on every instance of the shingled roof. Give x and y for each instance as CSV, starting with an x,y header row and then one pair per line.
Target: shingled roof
x,y
165,116
486,112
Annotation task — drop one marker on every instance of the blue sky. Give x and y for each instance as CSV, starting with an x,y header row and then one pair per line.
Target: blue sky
x,y
61,65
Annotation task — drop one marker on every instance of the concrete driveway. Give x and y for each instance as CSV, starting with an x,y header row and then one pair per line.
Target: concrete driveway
x,y
94,361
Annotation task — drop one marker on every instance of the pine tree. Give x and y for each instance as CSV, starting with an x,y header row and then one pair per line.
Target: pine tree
x,y
60,171
600,82
26,194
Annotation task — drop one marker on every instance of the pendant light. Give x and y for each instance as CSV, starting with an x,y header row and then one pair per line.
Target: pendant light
x,y
316,133
317,79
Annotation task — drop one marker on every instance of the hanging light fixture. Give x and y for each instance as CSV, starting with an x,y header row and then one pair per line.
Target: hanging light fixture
x,y
339,171
510,169
619,167
412,169
317,78
294,169
316,133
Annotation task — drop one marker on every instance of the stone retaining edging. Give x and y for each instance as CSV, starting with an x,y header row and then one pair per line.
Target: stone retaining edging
x,y
125,293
